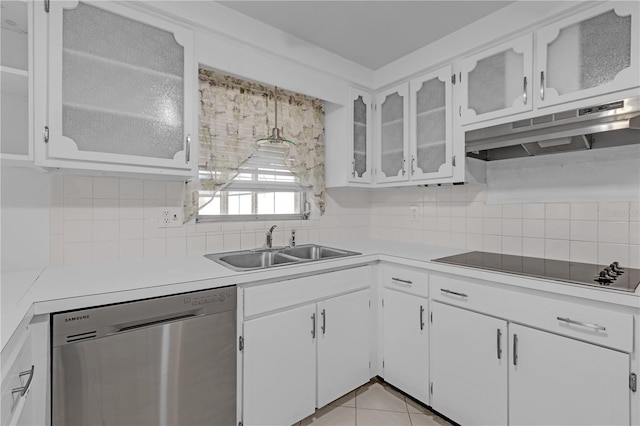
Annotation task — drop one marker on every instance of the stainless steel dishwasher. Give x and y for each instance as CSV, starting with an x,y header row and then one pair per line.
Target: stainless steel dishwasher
x,y
163,361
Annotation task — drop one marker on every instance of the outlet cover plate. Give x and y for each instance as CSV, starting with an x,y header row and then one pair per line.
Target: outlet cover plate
x,y
169,217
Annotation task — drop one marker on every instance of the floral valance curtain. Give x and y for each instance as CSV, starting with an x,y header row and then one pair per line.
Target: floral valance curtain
x,y
234,113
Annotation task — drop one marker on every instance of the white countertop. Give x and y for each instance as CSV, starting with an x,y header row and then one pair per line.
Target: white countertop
x,y
61,288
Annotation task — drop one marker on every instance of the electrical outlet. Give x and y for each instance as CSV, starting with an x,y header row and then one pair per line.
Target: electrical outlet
x,y
414,213
169,217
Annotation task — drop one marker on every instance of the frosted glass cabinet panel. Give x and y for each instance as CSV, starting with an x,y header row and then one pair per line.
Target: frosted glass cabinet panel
x,y
120,86
592,53
431,141
392,114
497,82
362,142
15,66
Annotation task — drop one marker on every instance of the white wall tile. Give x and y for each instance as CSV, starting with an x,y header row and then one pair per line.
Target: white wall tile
x,y
475,241
178,232
512,245
492,226
634,233
131,189
176,246
443,238
106,187
443,194
175,191
458,239
557,229
613,232
634,256
459,225
131,209
533,228
492,210
78,209
76,231
608,252
614,212
584,211
104,251
492,243
634,212
476,193
248,240
132,229
197,244
443,209
443,224
475,210
584,230
106,230
78,186
584,251
557,249
106,209
155,247
512,227
151,208
57,189
512,211
430,237
56,250
152,230
533,247
533,211
458,193
77,253
56,220
132,249
154,190
458,210
558,211
475,225
214,243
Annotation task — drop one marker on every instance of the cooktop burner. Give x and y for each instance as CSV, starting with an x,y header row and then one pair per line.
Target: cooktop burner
x,y
611,276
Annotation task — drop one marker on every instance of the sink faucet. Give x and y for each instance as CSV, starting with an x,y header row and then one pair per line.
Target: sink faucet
x,y
270,236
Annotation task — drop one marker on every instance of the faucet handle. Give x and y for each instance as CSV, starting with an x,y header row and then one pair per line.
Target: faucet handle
x,y
292,240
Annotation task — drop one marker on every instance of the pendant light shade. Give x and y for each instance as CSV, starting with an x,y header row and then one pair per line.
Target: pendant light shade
x,y
275,138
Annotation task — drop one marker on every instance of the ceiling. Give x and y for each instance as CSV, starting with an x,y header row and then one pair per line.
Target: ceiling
x,y
370,33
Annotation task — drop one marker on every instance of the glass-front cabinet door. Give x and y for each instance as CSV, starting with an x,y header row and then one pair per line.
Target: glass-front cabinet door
x,y
393,121
120,87
589,54
430,139
497,82
362,142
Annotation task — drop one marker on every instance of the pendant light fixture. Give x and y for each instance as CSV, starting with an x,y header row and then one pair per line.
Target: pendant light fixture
x,y
275,139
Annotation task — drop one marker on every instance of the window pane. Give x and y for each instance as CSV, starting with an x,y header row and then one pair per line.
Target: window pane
x,y
266,202
239,202
213,208
285,202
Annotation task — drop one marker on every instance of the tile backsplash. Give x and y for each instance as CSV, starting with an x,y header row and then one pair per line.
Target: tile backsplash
x,y
103,218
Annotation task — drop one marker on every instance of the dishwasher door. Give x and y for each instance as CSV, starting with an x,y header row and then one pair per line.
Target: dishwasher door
x,y
173,371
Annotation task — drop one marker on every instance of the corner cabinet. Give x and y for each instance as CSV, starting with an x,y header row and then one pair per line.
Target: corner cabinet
x,y
121,87
589,54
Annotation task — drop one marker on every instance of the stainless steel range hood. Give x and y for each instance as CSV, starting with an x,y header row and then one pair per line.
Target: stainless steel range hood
x,y
600,126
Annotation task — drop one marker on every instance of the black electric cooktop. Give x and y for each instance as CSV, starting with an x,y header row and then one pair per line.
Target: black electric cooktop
x,y
613,276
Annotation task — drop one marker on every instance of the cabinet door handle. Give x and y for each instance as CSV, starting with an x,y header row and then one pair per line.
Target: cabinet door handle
x,y
413,162
353,168
515,349
324,321
188,153
23,389
542,85
524,90
401,281
404,164
455,293
421,317
313,325
582,324
499,343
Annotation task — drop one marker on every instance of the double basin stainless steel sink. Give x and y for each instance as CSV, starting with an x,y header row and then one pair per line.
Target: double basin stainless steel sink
x,y
265,258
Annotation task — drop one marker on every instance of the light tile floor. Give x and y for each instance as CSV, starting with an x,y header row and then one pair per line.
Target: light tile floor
x,y
374,404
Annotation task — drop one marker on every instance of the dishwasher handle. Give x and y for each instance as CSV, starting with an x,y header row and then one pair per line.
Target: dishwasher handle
x,y
156,322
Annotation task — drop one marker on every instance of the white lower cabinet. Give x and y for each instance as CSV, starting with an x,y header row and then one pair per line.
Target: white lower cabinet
x,y
279,367
468,366
406,343
563,381
301,359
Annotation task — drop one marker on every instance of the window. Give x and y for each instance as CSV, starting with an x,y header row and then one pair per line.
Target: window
x,y
240,180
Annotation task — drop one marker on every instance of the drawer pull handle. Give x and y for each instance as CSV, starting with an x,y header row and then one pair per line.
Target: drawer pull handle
x,y
582,324
398,280
421,317
324,321
444,290
515,349
23,390
313,326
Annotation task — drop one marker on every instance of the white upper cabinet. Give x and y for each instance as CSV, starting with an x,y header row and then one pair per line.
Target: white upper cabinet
x,y
15,66
497,82
393,124
120,90
589,54
361,144
431,127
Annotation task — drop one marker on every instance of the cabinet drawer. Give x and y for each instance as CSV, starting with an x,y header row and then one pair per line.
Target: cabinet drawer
x,y
281,294
406,279
17,376
597,325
